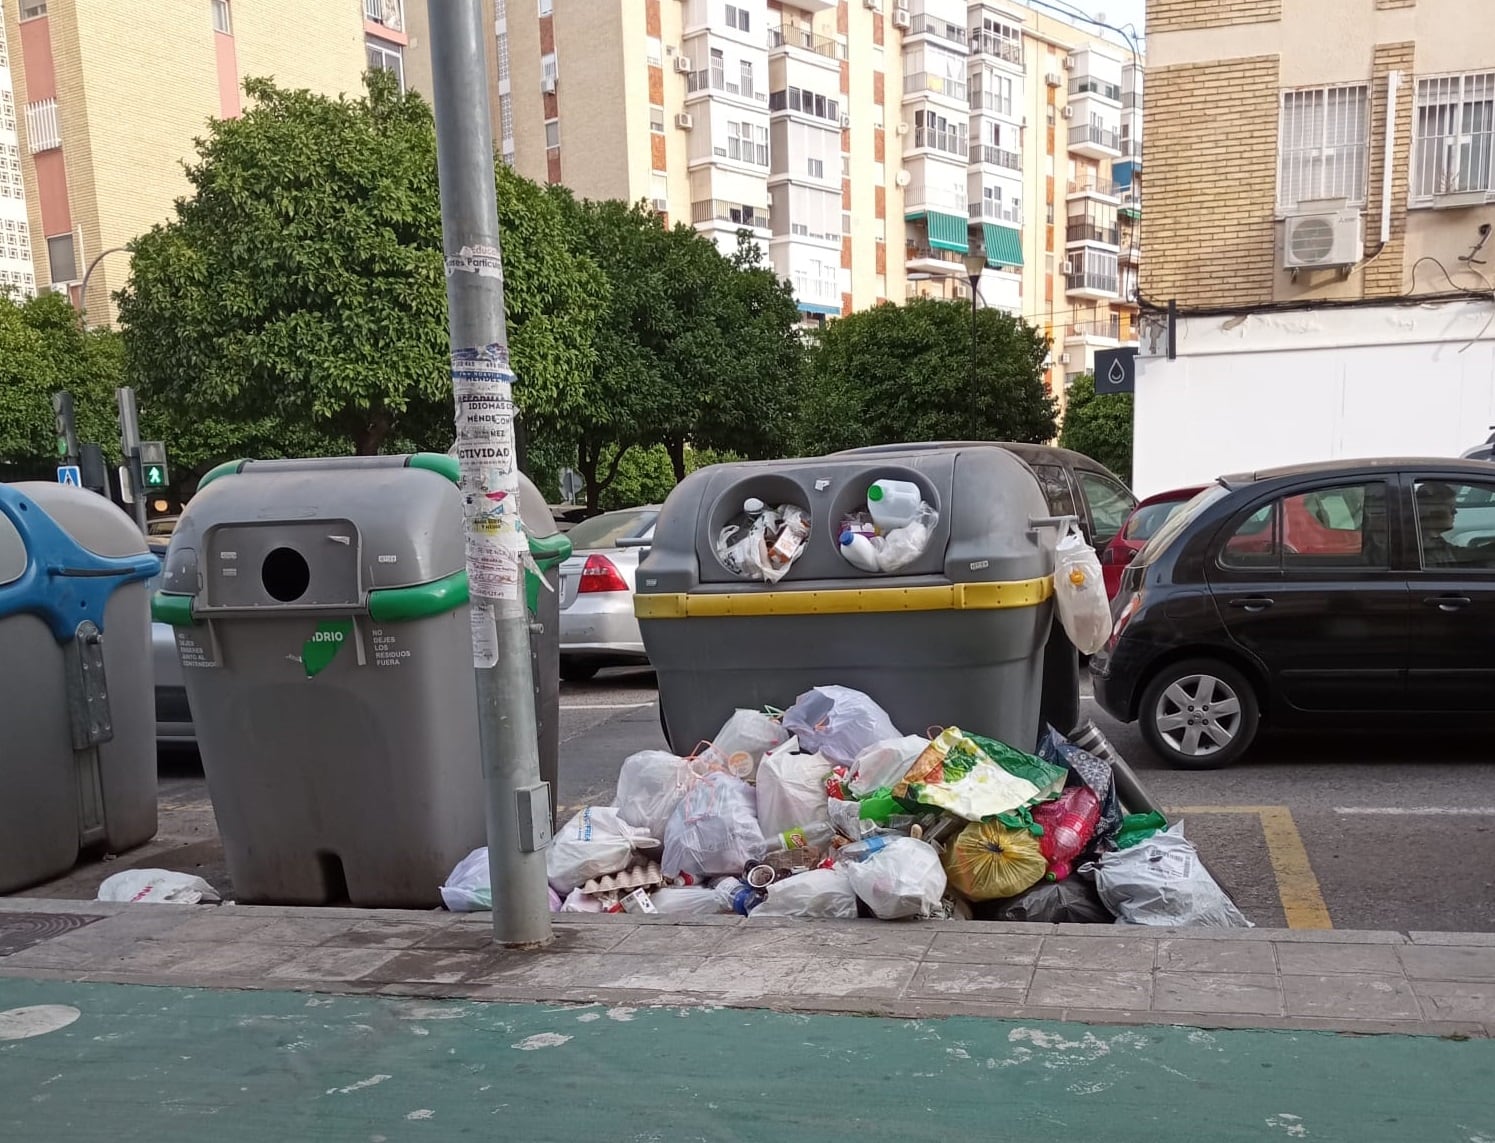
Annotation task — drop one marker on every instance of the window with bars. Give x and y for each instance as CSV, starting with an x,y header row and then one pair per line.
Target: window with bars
x,y
738,18
1453,135
1323,145
33,9
549,68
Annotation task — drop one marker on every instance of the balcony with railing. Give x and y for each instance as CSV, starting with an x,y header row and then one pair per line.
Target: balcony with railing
x,y
1095,276
1090,85
1101,330
1131,148
950,142
713,211
995,102
1095,141
1094,186
1080,228
996,157
922,25
921,258
387,13
707,80
984,43
927,83
987,211
792,37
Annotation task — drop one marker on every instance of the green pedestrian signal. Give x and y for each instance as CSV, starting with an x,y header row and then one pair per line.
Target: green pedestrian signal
x,y
155,476
153,464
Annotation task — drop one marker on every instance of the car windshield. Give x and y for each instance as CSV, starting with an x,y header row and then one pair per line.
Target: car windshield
x,y
1147,519
606,530
1178,521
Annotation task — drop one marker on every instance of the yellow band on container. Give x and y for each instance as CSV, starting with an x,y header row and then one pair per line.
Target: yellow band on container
x,y
847,601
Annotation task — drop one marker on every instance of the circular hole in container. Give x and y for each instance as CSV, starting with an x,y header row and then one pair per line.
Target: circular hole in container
x,y
773,489
285,574
851,498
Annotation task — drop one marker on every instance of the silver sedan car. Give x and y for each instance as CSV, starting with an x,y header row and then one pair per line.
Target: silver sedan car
x,y
173,718
598,627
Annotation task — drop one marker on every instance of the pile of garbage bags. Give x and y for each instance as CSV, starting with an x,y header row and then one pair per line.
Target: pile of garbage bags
x,y
829,810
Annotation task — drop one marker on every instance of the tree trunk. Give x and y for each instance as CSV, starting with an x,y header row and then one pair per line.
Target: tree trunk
x,y
587,457
676,449
370,434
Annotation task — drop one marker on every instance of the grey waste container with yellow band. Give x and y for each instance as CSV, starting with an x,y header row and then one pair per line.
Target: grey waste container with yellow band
x,y
956,638
77,713
322,621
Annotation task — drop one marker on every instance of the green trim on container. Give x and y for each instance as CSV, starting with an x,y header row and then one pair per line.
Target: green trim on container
x,y
437,462
172,609
227,468
401,604
549,550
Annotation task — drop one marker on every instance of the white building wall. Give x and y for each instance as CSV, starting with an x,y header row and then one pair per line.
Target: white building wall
x,y
1288,387
17,271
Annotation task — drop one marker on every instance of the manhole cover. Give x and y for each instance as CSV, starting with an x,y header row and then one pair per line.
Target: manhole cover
x,y
22,930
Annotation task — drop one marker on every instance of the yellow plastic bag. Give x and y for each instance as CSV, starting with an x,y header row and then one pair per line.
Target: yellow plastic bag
x,y
988,861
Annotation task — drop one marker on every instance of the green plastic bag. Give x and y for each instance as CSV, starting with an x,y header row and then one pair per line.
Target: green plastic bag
x,y
979,778
879,806
1137,828
1048,777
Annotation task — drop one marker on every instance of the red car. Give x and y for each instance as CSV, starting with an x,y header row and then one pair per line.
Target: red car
x,y
1146,518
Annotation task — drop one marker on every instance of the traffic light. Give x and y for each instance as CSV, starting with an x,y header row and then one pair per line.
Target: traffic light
x,y
153,464
67,433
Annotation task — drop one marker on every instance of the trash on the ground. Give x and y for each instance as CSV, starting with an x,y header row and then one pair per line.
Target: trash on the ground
x,y
814,893
885,763
638,901
1072,901
894,530
762,542
645,875
838,722
903,878
157,886
650,786
594,842
555,900
791,789
846,818
467,889
740,745
714,830
1068,823
1137,828
578,902
690,900
1089,768
988,860
1162,881
976,778
1080,592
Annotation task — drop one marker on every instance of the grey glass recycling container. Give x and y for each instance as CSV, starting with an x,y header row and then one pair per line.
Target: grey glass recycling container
x,y
956,637
322,622
77,711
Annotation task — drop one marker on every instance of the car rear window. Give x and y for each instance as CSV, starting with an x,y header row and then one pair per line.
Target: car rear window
x,y
1145,521
1178,521
606,530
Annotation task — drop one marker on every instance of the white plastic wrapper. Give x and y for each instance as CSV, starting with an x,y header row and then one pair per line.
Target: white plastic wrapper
x,y
650,786
714,830
838,722
1080,593
903,879
158,887
741,744
595,842
814,893
765,544
791,790
690,901
1162,882
848,820
578,902
902,546
884,763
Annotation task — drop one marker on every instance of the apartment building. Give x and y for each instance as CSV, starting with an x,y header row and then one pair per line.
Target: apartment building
x,y
868,145
109,95
17,274
1316,165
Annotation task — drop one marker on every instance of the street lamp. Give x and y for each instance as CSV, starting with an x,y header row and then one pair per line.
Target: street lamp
x,y
975,261
83,289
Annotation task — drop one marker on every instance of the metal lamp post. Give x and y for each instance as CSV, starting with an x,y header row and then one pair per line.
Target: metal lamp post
x,y
975,262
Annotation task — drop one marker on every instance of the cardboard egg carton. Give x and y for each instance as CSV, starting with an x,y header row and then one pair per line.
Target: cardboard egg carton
x,y
638,877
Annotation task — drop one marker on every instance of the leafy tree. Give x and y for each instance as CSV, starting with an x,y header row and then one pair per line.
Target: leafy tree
x,y
1099,425
647,475
903,373
299,287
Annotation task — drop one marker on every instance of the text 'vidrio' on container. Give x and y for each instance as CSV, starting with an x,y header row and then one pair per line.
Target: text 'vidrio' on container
x,y
953,635
323,623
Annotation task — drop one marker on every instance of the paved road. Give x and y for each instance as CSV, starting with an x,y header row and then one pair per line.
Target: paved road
x,y
1348,831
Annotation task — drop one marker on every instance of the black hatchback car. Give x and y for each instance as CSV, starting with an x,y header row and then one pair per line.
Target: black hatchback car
x,y
1339,594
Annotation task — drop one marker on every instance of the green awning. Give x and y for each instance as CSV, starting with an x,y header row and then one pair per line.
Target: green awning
x,y
946,231
1004,244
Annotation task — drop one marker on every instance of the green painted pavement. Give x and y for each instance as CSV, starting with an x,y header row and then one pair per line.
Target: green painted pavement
x,y
181,1064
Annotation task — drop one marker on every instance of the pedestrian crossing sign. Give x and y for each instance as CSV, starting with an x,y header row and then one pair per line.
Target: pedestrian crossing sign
x,y
70,474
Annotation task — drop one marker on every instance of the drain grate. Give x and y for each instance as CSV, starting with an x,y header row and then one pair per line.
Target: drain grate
x,y
22,930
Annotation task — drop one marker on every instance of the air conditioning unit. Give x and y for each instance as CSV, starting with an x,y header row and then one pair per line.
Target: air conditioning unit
x,y
1069,63
660,205
547,85
1068,112
1054,79
684,121
903,178
902,128
682,65
1064,359
901,19
1069,267
903,5
845,120
1315,239
872,5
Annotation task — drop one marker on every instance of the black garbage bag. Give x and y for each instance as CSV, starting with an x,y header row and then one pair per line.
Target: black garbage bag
x,y
1072,901
1084,767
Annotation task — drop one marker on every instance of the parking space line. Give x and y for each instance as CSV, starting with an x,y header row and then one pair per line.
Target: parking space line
x,y
605,705
1297,887
1422,811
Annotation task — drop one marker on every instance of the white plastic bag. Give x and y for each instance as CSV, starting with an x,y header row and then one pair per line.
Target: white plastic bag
x,y
467,889
157,886
1161,881
884,763
578,902
902,879
714,830
1080,592
791,790
838,722
848,820
814,893
594,842
902,546
690,901
741,743
650,786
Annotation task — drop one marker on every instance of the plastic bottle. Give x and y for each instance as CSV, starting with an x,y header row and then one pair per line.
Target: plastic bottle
x,y
859,551
752,506
740,896
1068,825
816,835
893,503
861,850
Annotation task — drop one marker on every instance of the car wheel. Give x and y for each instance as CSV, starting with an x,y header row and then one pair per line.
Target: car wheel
x,y
1199,714
578,672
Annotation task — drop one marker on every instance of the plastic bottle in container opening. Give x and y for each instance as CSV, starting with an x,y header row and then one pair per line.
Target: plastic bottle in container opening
x,y
1068,825
859,551
893,503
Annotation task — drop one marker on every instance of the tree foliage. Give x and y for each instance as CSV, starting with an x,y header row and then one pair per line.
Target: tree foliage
x,y
300,286
1099,425
904,373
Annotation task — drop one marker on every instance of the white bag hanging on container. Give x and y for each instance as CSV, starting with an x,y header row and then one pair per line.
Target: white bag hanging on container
x,y
813,893
1080,592
791,789
714,830
1161,881
593,843
650,786
902,879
